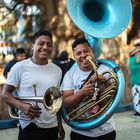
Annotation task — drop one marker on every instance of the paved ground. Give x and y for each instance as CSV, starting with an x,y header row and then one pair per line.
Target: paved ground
x,y
127,128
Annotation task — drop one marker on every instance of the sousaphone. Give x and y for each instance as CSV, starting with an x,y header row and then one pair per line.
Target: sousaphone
x,y
98,19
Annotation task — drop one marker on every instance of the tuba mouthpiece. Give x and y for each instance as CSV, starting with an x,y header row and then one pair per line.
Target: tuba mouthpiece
x,y
89,58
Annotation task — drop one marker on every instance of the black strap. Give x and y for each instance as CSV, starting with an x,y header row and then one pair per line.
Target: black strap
x,y
87,78
92,72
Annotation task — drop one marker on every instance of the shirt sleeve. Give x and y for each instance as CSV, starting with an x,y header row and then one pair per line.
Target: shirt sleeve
x,y
60,78
8,67
67,83
14,75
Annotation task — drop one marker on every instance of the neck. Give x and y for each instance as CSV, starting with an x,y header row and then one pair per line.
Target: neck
x,y
87,68
39,61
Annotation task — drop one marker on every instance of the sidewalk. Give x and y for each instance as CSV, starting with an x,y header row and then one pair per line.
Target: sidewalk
x,y
127,128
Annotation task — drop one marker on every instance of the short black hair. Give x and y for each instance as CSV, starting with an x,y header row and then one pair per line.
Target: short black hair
x,y
40,33
19,51
77,41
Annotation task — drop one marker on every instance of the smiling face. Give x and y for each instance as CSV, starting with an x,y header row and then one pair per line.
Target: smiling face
x,y
81,51
42,49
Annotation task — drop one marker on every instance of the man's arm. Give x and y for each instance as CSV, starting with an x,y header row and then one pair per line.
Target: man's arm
x,y
8,97
70,99
60,126
28,109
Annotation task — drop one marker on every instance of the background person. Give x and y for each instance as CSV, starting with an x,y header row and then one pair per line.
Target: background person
x,y
19,55
134,67
74,92
64,62
32,77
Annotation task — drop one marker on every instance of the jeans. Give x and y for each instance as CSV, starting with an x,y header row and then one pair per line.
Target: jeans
x,y
33,132
109,136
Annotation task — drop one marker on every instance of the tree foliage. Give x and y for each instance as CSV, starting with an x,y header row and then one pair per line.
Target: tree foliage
x,y
53,15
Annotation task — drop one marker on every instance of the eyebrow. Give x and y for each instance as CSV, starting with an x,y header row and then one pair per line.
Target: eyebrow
x,y
41,41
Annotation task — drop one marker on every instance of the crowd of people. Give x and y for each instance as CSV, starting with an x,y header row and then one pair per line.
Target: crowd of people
x,y
34,75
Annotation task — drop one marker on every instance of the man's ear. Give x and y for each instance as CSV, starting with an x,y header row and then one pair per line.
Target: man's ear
x,y
74,55
32,46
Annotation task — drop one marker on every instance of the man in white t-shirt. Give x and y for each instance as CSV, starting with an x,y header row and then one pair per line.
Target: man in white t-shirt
x,y
32,77
73,93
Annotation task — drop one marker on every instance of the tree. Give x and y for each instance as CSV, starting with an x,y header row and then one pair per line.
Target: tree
x,y
53,15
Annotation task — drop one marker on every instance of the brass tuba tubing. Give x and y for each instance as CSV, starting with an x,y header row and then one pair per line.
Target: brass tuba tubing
x,y
81,116
108,93
76,113
93,65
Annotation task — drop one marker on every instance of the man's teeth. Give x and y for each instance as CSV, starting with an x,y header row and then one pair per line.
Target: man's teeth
x,y
84,61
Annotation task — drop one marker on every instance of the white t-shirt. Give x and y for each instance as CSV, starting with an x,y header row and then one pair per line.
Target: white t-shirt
x,y
24,75
73,80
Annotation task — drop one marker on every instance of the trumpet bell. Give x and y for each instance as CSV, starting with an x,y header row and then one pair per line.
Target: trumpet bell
x,y
52,99
98,18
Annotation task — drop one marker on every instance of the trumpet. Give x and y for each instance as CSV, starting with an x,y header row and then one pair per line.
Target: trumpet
x,y
51,100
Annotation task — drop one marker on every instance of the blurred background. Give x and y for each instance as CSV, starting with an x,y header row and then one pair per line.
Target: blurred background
x,y
20,19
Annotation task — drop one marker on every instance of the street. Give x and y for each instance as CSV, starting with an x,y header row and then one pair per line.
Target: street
x,y
126,128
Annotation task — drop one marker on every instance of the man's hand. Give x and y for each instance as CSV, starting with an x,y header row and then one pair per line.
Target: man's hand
x,y
61,132
30,110
89,86
94,78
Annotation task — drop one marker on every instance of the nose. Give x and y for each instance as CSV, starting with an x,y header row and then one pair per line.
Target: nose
x,y
83,54
45,46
